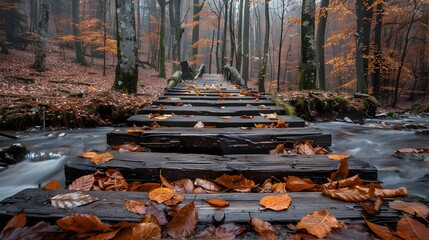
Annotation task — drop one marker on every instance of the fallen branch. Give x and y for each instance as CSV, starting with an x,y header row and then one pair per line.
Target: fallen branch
x,y
66,82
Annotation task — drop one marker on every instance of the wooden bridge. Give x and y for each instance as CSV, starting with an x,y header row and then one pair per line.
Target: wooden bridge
x,y
228,143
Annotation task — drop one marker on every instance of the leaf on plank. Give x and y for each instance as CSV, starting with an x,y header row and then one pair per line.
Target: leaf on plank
x,y
373,208
349,194
206,184
102,158
296,184
135,206
305,148
135,131
158,214
184,186
348,233
41,230
146,231
82,223
161,194
236,182
18,221
276,202
267,186
72,200
142,187
342,171
184,221
280,148
88,155
348,182
381,231
199,124
165,182
128,147
412,228
217,202
414,208
281,124
83,183
279,187
263,228
176,199
339,156
319,223
52,185
385,193
246,116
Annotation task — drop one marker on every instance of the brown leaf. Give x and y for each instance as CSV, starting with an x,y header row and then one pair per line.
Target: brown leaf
x,y
373,208
41,230
381,231
146,231
414,208
102,158
52,185
413,228
72,200
236,182
348,182
296,184
386,193
339,156
176,199
82,223
184,186
134,206
263,228
279,188
342,171
278,150
246,116
83,183
135,131
211,186
223,232
161,194
199,124
349,234
349,194
218,202
88,155
184,221
158,214
142,187
320,151
128,147
18,221
411,150
105,236
165,182
281,124
276,202
305,148
267,186
318,223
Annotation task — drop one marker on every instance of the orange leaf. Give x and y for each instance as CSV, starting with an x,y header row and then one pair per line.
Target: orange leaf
x,y
296,184
184,221
414,208
318,223
143,187
218,202
211,186
88,154
305,148
276,202
281,124
176,199
165,182
184,186
83,183
349,195
236,182
348,182
18,221
342,171
52,185
82,223
413,228
102,158
279,188
339,156
265,230
278,150
161,194
381,231
134,206
147,231
135,131
373,208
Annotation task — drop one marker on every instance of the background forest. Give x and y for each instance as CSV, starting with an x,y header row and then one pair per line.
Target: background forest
x,y
375,46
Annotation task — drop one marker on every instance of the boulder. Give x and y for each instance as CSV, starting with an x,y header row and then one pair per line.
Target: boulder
x,y
12,154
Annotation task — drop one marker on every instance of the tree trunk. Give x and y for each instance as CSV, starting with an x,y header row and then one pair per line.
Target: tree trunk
x,y
240,36
378,57
367,22
231,32
246,41
308,48
80,55
33,15
211,51
360,71
138,23
320,42
263,68
218,60
225,27
126,69
197,7
162,70
40,51
279,57
176,32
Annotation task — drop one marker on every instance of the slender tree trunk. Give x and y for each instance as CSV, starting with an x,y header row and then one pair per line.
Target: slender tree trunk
x,y
176,32
197,8
308,48
138,24
211,51
126,69
320,42
360,71
40,51
162,70
378,57
279,57
231,32
78,49
246,41
225,27
33,15
367,22
240,36
263,68
218,60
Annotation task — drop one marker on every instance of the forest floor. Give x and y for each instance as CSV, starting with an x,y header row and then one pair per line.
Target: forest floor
x,y
71,95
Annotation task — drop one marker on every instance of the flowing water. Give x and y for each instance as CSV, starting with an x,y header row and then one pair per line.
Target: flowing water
x,y
373,142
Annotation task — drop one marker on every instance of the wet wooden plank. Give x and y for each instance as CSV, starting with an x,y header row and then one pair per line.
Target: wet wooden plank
x,y
145,166
214,97
219,140
215,102
212,111
235,121
110,207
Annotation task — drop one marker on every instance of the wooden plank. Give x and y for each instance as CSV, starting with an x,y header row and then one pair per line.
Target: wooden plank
x,y
213,97
215,103
219,140
110,207
235,121
145,166
212,111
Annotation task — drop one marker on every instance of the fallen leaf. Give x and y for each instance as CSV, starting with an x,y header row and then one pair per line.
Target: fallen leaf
x,y
88,155
373,208
143,187
246,116
184,221
134,131
165,182
218,202
199,124
348,182
223,232
413,228
339,156
267,186
305,147
281,124
84,183
414,208
161,194
348,233
411,150
152,115
102,158
158,214
385,193
184,186
82,223
279,188
208,185
128,147
52,185
105,235
134,206
296,184
278,150
236,182
226,117
263,228
146,231
276,202
381,231
176,199
349,194
18,221
318,223
72,200
41,230
342,171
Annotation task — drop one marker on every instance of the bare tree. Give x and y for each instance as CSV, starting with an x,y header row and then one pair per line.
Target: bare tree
x,y
42,30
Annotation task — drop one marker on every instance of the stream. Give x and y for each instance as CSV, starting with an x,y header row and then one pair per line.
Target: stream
x,y
374,142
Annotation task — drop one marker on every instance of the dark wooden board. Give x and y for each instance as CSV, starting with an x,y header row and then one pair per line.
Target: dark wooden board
x,y
145,166
178,94
215,102
212,97
235,121
110,207
219,141
213,111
